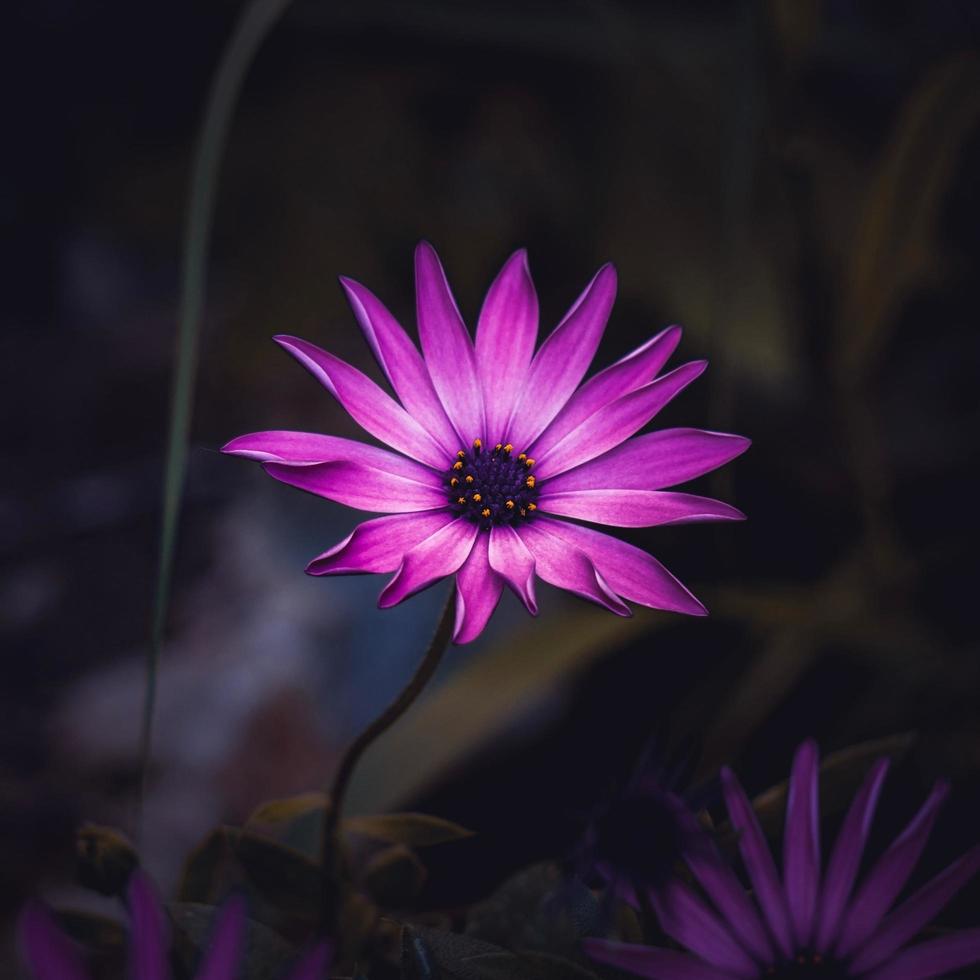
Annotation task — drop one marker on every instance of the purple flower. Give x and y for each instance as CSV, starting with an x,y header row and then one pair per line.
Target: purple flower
x,y
809,923
52,956
495,442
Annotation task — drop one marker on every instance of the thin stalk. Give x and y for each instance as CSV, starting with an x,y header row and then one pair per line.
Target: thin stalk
x,y
255,22
330,909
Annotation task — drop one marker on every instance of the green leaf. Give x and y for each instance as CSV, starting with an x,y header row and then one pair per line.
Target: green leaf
x,y
394,876
286,878
97,932
411,829
211,868
106,859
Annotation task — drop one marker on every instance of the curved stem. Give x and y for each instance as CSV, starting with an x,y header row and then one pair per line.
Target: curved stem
x,y
253,26
341,781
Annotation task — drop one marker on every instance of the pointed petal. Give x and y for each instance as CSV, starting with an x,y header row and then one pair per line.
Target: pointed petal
x,y
379,545
307,448
650,962
402,364
846,857
478,589
887,878
370,407
437,556
629,571
563,359
227,945
916,912
615,422
505,336
654,461
636,369
511,560
688,921
48,952
361,486
447,347
568,568
636,508
935,958
315,964
725,890
758,861
148,930
801,842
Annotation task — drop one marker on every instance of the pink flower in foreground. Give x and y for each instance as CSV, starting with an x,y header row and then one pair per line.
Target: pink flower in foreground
x,y
495,444
52,956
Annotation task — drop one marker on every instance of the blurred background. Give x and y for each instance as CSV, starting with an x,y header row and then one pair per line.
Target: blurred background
x,y
794,181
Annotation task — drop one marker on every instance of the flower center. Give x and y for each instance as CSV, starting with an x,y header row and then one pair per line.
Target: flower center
x,y
808,964
492,486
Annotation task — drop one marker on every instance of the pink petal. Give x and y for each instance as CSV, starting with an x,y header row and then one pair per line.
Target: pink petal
x,y
227,945
379,545
511,560
916,912
306,448
563,359
629,571
148,953
758,861
478,589
631,372
636,508
568,568
447,347
650,962
846,857
887,878
369,406
935,958
801,842
402,364
505,336
361,486
616,422
437,556
688,921
651,462
315,964
49,953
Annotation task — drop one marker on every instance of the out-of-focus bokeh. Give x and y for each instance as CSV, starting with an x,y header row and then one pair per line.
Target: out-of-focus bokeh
x,y
794,181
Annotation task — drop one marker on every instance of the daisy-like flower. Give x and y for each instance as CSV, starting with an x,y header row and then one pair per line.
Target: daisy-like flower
x,y
495,444
52,956
810,923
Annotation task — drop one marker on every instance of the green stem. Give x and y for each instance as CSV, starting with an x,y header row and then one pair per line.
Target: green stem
x,y
253,25
335,800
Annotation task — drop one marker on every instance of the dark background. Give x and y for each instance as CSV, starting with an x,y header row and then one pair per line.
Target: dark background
x,y
794,182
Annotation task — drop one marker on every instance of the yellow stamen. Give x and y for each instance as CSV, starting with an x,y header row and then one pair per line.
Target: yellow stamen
x,y
532,506
460,500
458,465
454,482
523,512
529,463
477,498
469,479
530,481
461,454
477,443
498,447
522,457
509,505
508,448
485,512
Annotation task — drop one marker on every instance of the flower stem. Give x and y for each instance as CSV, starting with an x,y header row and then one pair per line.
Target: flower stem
x,y
256,20
330,910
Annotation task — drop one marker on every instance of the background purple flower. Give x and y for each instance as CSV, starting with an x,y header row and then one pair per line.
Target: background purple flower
x,y
493,442
809,921
52,956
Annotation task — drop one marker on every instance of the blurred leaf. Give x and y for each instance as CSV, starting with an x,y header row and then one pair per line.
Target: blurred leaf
x,y
267,955
97,932
841,774
394,876
894,245
106,859
287,878
296,821
411,829
209,867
